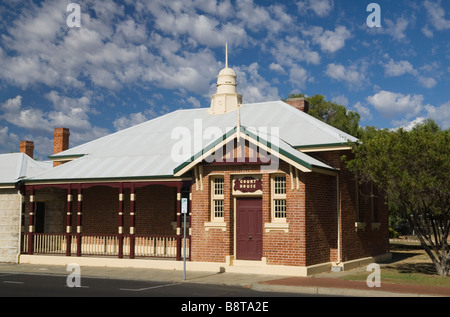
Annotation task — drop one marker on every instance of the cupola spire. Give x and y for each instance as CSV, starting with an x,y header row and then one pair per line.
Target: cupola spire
x,y
226,99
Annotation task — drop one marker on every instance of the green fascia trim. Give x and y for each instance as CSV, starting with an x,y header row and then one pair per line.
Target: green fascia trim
x,y
255,138
322,145
65,156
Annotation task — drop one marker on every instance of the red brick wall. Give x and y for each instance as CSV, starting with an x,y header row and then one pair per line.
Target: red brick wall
x,y
361,243
321,217
154,213
278,247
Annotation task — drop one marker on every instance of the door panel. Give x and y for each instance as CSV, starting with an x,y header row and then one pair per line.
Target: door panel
x,y
249,228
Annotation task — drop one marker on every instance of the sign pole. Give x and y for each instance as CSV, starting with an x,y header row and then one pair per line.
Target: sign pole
x,y
184,208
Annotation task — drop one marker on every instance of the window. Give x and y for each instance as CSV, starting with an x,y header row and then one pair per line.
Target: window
x,y
279,198
217,198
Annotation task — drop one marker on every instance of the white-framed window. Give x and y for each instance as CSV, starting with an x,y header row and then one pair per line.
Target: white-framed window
x,y
217,198
278,198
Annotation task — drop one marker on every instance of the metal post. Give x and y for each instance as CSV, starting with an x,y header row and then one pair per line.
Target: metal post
x,y
184,251
184,209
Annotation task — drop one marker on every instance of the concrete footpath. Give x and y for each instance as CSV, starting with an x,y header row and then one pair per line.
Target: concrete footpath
x,y
320,284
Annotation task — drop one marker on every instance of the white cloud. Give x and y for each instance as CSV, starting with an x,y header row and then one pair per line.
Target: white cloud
x,y
427,32
397,69
177,19
8,141
396,29
408,125
322,8
271,19
194,102
291,50
436,15
440,114
298,77
253,86
31,118
363,111
129,120
341,100
277,68
427,82
353,75
391,104
394,69
329,41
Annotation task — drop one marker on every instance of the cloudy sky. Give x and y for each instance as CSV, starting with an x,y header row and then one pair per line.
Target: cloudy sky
x,y
131,61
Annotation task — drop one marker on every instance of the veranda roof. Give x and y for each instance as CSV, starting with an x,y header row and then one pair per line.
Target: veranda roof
x,y
16,166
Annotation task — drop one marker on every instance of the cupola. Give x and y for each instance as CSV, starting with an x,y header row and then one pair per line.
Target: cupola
x,y
226,99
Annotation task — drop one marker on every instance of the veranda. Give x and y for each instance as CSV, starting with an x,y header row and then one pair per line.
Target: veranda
x,y
121,219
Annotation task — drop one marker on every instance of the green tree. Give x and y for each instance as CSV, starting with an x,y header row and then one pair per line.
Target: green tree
x,y
333,114
413,167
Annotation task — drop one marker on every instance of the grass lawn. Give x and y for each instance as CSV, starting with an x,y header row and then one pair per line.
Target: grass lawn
x,y
409,265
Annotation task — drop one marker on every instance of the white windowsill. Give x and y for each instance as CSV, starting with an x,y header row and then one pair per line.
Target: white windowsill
x,y
215,225
271,226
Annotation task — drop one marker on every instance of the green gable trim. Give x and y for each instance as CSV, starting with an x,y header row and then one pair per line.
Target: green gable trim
x,y
322,145
55,157
255,138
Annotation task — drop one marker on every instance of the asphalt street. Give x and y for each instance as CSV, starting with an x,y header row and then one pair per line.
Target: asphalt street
x,y
176,297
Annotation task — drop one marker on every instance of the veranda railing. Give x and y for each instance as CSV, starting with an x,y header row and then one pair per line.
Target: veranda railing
x,y
162,246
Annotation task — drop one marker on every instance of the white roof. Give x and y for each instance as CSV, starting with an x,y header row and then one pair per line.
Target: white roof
x,y
16,166
145,149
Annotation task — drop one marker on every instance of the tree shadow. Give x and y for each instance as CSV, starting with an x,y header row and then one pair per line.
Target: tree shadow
x,y
424,268
402,252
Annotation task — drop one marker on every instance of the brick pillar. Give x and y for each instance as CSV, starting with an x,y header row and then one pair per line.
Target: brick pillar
x,y
69,221
179,222
60,141
27,148
120,229
31,224
299,103
132,219
79,219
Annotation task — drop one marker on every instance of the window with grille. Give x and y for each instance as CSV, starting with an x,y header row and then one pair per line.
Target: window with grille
x,y
280,208
217,198
279,198
279,185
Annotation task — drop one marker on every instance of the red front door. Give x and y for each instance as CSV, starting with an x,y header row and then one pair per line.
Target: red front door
x,y
249,228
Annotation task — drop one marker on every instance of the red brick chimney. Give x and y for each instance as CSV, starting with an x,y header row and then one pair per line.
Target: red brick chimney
x,y
27,148
60,141
299,103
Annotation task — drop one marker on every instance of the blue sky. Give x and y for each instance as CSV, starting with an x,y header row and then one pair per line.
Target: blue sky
x,y
131,61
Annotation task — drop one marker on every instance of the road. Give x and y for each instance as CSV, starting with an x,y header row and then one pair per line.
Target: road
x,y
174,296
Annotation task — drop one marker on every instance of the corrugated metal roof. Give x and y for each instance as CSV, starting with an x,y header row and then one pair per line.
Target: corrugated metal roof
x,y
16,166
145,149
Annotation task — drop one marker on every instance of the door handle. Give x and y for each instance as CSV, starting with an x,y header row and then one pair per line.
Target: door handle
x,y
250,237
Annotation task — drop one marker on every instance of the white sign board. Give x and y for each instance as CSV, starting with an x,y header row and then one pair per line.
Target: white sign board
x,y
184,205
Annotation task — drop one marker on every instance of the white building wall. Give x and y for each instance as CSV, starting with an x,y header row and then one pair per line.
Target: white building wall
x,y
10,215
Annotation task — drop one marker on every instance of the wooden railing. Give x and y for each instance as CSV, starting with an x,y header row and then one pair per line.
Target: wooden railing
x,y
163,246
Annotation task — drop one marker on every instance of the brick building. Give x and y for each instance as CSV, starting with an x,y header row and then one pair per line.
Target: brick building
x,y
264,183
